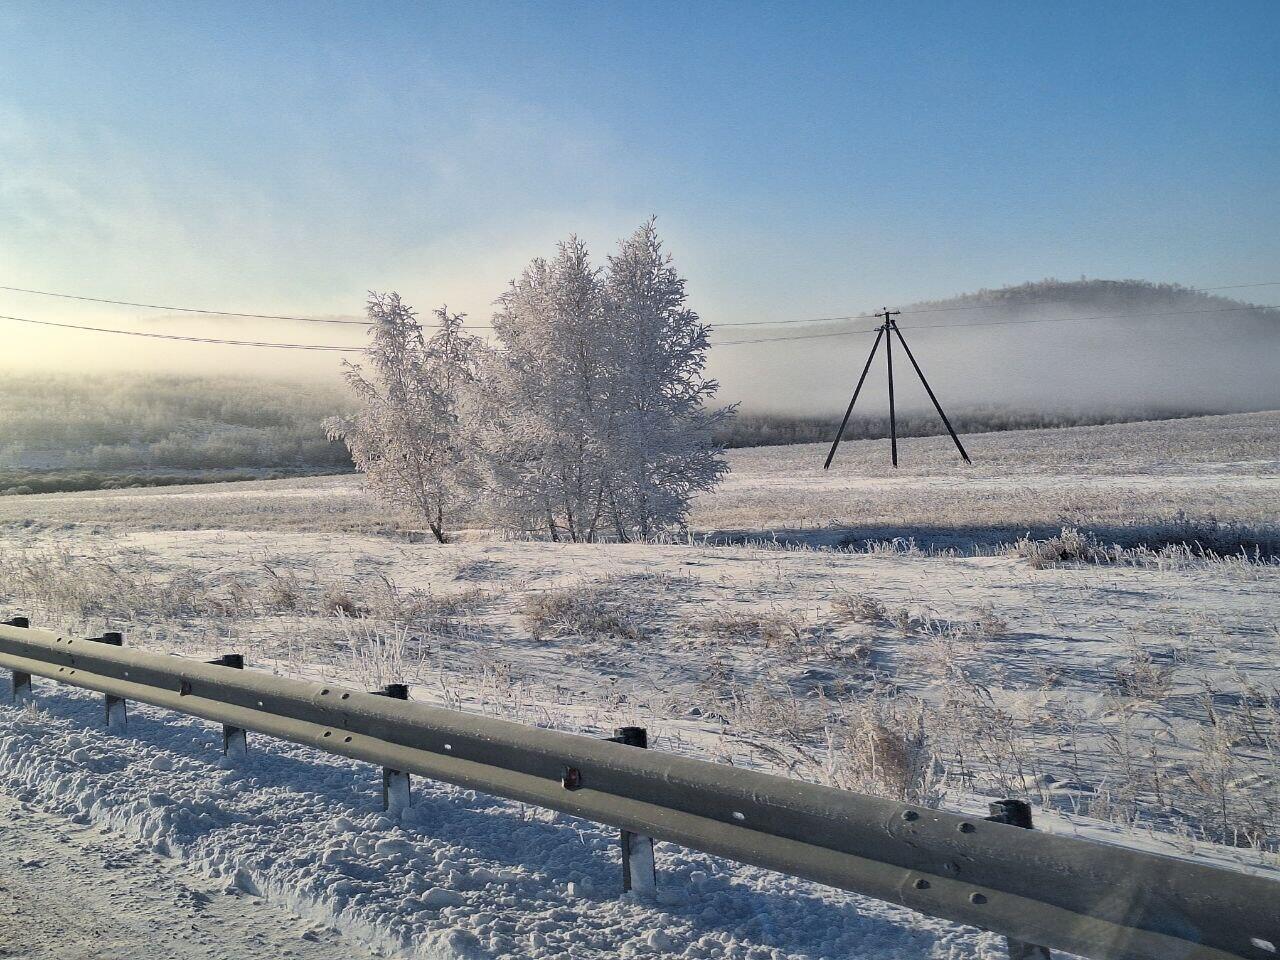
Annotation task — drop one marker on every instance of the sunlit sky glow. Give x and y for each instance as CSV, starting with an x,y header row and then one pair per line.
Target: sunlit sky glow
x,y
802,159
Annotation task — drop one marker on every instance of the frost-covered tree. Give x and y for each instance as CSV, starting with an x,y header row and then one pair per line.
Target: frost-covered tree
x,y
549,395
411,435
599,404
662,449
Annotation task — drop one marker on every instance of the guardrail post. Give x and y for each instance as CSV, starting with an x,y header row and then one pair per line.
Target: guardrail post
x,y
20,688
117,716
639,872
1017,813
235,742
395,783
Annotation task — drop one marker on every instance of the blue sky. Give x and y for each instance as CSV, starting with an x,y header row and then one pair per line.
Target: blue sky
x,y
802,159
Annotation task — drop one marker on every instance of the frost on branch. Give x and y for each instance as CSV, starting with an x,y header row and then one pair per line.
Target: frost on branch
x,y
410,437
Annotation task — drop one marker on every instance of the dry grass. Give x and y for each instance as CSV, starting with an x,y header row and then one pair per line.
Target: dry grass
x,y
1142,676
1161,545
884,748
767,628
857,607
990,625
1092,701
1070,546
590,612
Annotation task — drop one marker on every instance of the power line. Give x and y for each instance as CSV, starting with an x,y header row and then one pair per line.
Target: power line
x,y
362,323
174,336
722,343
990,323
475,326
1240,286
158,306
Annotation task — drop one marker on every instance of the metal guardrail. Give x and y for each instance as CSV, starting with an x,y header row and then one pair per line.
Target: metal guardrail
x,y
1097,900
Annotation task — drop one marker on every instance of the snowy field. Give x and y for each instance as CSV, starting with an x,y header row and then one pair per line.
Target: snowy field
x,y
1110,476
873,629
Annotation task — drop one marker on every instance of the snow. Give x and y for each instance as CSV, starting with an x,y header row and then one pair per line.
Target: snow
x,y
255,567
1224,466
73,891
461,875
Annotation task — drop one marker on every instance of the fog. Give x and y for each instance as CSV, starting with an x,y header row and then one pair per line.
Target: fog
x,y
990,355
33,349
1204,361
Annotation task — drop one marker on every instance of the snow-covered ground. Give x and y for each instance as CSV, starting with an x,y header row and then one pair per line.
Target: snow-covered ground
x,y
461,876
1144,693
72,890
1227,467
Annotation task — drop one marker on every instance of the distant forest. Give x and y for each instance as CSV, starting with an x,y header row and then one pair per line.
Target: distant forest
x,y
1110,296
98,432
777,429
93,431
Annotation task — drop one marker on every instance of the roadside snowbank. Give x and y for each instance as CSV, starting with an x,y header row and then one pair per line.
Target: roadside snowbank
x,y
462,876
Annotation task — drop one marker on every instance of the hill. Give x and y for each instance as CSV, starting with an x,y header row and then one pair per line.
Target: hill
x,y
1088,348
1125,298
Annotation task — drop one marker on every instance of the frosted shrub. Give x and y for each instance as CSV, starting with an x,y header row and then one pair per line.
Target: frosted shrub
x,y
588,612
378,654
856,653
238,598
859,607
1140,676
1069,546
424,610
337,600
884,750
283,592
775,713
903,621
771,628
990,624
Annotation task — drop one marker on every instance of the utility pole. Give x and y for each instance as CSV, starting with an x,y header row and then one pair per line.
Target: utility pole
x,y
886,332
888,355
